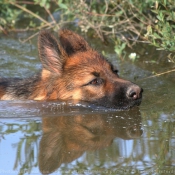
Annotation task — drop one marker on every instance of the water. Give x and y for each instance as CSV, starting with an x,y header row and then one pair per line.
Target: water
x,y
62,138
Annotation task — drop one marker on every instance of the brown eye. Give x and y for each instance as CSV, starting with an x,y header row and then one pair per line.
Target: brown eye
x,y
96,81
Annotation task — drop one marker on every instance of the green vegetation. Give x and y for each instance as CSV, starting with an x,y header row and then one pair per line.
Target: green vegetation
x,y
126,22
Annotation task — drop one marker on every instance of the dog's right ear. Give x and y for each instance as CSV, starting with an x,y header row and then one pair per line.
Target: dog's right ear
x,y
51,54
72,42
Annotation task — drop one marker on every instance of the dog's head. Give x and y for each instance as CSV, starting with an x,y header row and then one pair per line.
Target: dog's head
x,y
72,70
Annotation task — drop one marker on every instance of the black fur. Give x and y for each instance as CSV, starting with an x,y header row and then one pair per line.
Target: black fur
x,y
19,88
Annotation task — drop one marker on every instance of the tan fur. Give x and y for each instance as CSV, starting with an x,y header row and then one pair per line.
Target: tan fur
x,y
7,97
45,74
2,93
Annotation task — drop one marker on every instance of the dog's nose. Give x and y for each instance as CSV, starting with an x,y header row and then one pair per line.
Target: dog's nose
x,y
134,92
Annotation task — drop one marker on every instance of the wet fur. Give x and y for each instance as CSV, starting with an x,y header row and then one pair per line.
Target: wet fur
x,y
72,70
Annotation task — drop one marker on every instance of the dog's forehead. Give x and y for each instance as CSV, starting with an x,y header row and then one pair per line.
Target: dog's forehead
x,y
88,59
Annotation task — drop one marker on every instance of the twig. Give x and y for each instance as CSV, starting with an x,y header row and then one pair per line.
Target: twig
x,y
25,2
29,37
51,16
138,41
2,29
97,14
30,12
173,70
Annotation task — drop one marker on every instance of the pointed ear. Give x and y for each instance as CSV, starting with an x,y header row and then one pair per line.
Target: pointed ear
x,y
72,42
51,54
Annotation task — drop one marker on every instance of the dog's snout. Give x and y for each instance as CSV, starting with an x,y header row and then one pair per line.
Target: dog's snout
x,y
134,92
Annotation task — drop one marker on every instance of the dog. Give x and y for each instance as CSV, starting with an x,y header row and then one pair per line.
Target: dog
x,y
72,70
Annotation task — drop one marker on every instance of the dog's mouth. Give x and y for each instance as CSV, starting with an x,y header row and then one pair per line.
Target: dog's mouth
x,y
127,106
135,103
121,105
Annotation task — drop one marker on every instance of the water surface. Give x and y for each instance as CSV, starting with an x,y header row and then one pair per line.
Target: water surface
x,y
62,138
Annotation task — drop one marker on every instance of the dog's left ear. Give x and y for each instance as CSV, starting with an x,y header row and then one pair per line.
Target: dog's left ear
x,y
51,54
72,42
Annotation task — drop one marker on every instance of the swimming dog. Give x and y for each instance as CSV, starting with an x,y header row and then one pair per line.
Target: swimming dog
x,y
72,70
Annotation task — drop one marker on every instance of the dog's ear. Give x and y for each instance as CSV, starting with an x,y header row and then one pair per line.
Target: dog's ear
x,y
51,54
72,42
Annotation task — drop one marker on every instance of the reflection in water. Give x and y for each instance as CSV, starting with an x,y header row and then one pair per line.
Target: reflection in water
x,y
67,138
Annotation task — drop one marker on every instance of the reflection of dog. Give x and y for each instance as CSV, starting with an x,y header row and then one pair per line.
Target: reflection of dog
x,y
72,70
67,138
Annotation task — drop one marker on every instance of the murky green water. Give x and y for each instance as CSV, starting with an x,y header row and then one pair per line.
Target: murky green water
x,y
62,138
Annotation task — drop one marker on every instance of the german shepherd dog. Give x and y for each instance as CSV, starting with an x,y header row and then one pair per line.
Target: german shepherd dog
x,y
72,70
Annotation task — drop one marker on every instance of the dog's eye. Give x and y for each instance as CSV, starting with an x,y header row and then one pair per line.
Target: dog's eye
x,y
115,71
96,81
